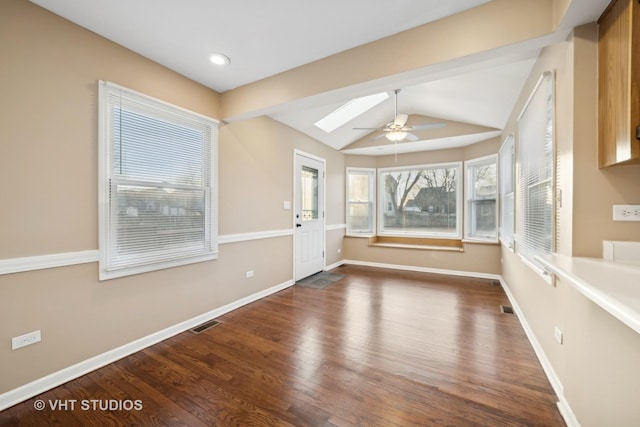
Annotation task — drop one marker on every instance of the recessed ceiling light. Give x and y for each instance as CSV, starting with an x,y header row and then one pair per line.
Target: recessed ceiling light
x,y
350,111
219,59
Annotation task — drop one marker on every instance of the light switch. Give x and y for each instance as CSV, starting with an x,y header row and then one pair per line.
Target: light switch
x,y
286,205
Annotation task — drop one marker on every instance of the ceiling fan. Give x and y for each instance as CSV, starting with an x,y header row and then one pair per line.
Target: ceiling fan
x,y
398,130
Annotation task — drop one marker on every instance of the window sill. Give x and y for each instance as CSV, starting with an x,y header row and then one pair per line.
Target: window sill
x,y
609,284
481,241
417,243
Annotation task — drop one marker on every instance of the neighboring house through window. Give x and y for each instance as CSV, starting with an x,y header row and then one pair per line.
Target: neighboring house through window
x,y
420,201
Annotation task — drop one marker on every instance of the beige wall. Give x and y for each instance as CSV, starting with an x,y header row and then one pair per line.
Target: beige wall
x,y
597,363
48,117
476,258
48,183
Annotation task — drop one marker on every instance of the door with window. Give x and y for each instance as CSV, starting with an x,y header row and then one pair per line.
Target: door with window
x,y
309,215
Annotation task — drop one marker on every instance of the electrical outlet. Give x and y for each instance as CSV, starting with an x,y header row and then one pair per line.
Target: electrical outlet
x,y
249,274
557,333
25,340
626,212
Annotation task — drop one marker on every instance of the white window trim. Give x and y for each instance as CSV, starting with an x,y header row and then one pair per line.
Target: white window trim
x,y
492,158
372,195
105,167
459,201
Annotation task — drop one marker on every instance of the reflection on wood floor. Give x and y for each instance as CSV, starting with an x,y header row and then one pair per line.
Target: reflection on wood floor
x,y
377,348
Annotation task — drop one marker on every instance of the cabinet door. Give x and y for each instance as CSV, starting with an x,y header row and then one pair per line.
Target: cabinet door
x,y
618,71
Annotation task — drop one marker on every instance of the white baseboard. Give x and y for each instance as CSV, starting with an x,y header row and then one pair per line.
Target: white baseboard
x,y
424,269
554,380
62,376
334,265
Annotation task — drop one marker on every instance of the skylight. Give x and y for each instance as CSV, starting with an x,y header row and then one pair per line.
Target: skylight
x,y
350,111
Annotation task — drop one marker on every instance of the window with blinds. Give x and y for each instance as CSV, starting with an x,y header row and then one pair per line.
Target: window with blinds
x,y
481,191
506,164
157,164
361,201
536,172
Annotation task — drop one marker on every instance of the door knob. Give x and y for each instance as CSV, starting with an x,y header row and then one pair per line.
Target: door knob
x,y
298,225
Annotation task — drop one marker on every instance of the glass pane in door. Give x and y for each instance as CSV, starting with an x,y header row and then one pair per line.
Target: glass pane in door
x,y
309,190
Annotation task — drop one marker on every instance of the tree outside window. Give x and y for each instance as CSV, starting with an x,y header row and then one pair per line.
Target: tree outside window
x,y
421,201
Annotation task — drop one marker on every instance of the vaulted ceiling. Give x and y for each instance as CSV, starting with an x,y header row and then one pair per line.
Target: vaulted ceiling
x,y
473,94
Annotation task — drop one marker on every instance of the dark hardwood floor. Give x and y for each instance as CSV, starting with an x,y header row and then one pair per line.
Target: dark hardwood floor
x,y
377,348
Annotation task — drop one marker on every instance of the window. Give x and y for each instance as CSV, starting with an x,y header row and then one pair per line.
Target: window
x,y
536,173
481,193
420,201
158,206
507,194
360,200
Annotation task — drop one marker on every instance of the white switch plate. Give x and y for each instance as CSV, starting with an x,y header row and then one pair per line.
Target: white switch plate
x,y
25,340
249,274
557,333
626,212
286,205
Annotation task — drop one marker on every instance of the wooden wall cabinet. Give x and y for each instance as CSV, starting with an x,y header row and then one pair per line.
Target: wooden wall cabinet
x,y
618,84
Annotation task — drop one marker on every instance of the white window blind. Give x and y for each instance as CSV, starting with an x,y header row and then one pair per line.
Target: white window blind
x,y
157,194
360,200
481,193
506,162
536,166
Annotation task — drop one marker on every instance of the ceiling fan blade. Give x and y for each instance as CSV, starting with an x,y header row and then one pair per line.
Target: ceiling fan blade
x,y
410,137
428,126
366,128
400,120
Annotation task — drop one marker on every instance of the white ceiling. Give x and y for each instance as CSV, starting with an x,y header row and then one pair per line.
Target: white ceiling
x,y
483,97
263,38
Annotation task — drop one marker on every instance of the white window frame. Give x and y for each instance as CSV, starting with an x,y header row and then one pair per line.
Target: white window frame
x,y
536,169
472,198
371,173
506,180
109,182
409,233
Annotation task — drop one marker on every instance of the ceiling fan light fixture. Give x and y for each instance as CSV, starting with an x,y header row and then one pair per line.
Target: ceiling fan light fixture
x,y
396,135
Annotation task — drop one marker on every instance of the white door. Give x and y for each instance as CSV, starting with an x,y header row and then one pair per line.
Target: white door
x,y
309,216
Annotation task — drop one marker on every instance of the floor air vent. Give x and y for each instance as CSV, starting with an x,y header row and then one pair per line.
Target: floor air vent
x,y
203,327
506,309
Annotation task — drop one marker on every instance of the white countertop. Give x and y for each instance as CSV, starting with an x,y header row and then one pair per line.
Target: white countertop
x,y
613,285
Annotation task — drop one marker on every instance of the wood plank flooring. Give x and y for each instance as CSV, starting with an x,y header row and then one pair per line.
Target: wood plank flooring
x,y
377,348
